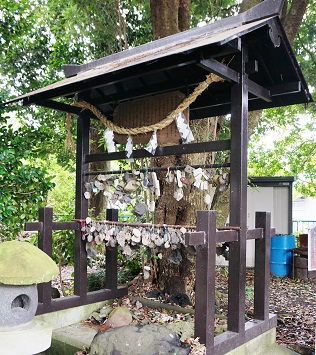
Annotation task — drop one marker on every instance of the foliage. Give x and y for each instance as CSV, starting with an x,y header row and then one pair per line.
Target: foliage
x,y
208,11
291,151
284,141
24,184
62,199
304,44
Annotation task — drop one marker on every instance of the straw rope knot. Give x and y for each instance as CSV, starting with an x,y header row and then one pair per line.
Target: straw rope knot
x,y
210,78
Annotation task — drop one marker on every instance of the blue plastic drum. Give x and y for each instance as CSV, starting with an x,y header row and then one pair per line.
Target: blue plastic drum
x,y
281,255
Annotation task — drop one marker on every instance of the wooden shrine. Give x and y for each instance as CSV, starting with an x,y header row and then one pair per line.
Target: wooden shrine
x,y
256,67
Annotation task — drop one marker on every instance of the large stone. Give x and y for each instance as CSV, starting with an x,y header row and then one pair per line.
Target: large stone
x,y
119,317
18,305
149,339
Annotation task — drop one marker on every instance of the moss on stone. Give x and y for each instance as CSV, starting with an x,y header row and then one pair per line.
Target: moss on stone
x,y
22,263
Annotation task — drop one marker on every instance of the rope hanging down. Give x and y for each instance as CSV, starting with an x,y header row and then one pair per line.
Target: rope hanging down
x,y
210,78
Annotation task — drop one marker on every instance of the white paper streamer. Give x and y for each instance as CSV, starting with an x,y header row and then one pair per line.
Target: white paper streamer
x,y
129,146
156,184
152,144
184,129
109,140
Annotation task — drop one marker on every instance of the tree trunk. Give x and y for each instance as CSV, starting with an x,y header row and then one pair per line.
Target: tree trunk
x,y
180,277
164,17
97,202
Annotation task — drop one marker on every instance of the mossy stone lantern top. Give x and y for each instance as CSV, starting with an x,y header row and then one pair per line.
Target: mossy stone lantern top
x,y
22,263
22,267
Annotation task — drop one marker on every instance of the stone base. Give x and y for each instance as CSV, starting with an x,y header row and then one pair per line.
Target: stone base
x,y
33,338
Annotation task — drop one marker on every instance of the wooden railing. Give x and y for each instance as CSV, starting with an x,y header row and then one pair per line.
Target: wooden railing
x,y
45,227
205,238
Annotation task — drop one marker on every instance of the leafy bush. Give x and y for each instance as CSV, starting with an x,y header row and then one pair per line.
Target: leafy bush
x,y
24,183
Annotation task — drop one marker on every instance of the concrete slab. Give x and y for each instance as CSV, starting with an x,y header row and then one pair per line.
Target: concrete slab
x,y
71,335
264,344
60,319
68,340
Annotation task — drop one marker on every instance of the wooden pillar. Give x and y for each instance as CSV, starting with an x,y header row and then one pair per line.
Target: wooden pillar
x,y
45,243
204,239
262,267
111,256
238,197
81,210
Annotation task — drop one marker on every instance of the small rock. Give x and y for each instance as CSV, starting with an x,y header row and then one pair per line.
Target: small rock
x,y
119,317
95,315
105,311
139,305
156,294
179,298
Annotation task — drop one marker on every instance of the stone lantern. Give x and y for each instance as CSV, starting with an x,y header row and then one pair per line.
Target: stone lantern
x,y
22,267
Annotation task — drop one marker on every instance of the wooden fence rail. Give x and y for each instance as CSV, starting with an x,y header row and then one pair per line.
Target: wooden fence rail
x,y
45,227
205,238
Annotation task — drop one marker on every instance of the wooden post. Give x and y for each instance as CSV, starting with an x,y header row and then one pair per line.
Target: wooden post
x,y
205,241
81,211
111,256
262,267
238,198
45,243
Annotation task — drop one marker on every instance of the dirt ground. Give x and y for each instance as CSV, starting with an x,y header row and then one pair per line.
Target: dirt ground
x,y
294,302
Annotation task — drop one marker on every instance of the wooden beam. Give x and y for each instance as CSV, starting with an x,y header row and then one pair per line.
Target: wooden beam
x,y
222,70
231,75
59,106
163,151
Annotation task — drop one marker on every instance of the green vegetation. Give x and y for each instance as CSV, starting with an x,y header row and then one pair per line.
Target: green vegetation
x,y
38,36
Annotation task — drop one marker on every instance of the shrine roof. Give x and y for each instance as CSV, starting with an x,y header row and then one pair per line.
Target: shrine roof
x,y
182,61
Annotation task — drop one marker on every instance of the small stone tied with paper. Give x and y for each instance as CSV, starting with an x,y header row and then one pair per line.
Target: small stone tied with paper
x,y
123,190
130,237
176,115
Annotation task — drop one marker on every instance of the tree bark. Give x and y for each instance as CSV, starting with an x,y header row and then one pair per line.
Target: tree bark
x,y
164,17
184,15
97,202
293,18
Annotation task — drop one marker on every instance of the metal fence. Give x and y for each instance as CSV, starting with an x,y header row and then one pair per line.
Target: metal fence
x,y
302,226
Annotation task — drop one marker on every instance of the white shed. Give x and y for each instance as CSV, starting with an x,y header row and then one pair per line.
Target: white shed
x,y
271,194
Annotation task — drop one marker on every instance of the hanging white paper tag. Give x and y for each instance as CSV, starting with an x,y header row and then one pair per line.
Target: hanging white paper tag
x,y
152,206
156,184
129,146
109,140
178,194
184,129
152,144
178,172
